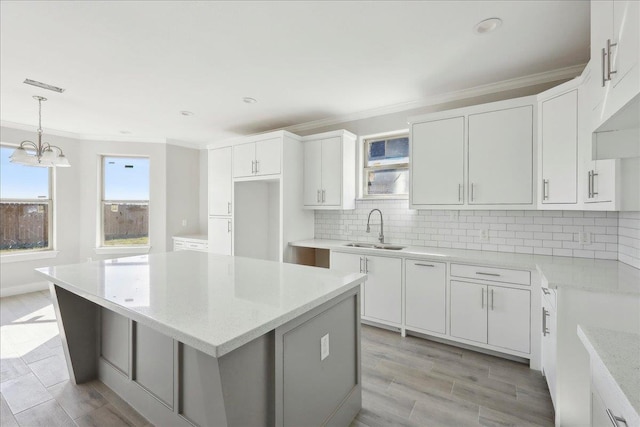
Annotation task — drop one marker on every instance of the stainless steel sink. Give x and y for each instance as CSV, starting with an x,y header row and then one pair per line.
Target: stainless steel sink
x,y
376,246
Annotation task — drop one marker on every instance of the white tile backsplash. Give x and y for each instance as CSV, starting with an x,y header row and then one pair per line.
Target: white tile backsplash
x,y
613,235
629,238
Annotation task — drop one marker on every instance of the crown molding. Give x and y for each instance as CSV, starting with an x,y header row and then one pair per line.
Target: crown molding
x,y
515,83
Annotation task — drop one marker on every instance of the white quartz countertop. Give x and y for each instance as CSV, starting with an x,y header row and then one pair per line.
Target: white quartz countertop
x,y
214,303
577,273
620,355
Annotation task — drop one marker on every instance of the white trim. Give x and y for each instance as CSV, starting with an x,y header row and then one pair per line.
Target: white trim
x,y
133,250
516,83
23,289
27,256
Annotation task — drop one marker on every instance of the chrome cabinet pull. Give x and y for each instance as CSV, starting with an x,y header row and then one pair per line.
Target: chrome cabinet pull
x,y
361,259
257,166
472,191
604,79
424,265
609,46
545,189
229,207
546,291
253,166
594,193
229,226
459,192
482,304
366,265
615,420
545,330
589,185
491,299
323,196
487,274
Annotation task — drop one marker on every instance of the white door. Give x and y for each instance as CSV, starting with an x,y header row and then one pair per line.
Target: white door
x,y
312,172
469,311
559,181
601,185
437,162
332,171
425,295
244,156
501,157
220,182
220,236
349,263
268,153
383,289
509,318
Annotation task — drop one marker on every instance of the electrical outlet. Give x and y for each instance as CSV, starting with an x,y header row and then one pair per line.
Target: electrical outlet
x,y
484,235
324,347
584,238
184,222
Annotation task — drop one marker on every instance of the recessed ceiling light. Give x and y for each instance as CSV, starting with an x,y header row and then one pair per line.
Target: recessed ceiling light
x,y
249,100
186,113
487,26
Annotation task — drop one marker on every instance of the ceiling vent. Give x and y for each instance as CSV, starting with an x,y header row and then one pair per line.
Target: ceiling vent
x,y
43,85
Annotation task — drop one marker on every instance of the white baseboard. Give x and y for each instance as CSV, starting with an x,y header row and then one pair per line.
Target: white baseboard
x,y
24,289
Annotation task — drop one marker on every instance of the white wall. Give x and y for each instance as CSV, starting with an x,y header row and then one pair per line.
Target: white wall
x,y
174,196
204,194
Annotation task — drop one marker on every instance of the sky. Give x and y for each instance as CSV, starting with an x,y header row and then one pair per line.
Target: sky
x,y
29,182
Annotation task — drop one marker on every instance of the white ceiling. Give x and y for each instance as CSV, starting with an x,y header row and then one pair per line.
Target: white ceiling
x,y
132,66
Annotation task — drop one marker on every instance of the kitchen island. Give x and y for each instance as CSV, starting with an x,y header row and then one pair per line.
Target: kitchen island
x,y
190,338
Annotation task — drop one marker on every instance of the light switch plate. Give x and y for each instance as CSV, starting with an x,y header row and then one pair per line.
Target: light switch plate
x,y
324,347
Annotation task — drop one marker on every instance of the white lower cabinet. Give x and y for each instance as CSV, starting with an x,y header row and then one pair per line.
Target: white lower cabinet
x,y
493,315
220,236
549,344
425,295
381,296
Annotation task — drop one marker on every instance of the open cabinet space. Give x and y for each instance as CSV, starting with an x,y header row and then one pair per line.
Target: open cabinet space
x,y
257,219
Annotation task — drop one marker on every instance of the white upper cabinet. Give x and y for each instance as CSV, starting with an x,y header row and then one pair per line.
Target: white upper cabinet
x,y
257,158
437,162
501,157
615,52
329,170
220,181
559,149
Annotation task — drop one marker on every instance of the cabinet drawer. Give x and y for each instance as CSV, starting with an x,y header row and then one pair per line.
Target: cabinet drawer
x,y
518,277
196,246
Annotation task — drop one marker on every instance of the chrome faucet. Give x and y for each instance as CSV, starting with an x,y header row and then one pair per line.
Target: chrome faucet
x,y
381,236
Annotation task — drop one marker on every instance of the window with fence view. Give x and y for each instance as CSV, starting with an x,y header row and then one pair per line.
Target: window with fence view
x,y
386,167
125,201
25,206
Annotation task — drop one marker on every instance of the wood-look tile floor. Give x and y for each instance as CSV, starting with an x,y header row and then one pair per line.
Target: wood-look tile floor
x,y
406,381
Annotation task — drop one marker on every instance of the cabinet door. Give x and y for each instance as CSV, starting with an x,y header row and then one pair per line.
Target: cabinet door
x,y
383,289
559,181
220,182
602,182
509,318
625,55
469,311
220,236
501,157
549,334
312,172
425,295
349,263
244,156
437,162
332,171
268,153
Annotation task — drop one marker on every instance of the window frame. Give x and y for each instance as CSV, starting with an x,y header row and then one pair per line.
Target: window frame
x,y
36,253
101,248
363,169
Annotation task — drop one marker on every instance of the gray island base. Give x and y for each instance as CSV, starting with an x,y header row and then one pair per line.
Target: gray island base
x,y
275,372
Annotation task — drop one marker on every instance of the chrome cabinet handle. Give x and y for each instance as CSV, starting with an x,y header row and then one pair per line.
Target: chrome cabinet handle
x,y
589,185
472,191
609,46
604,79
424,265
323,196
545,189
257,166
253,166
491,299
616,419
487,274
361,259
229,207
366,265
594,193
546,291
545,331
229,226
459,192
482,304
